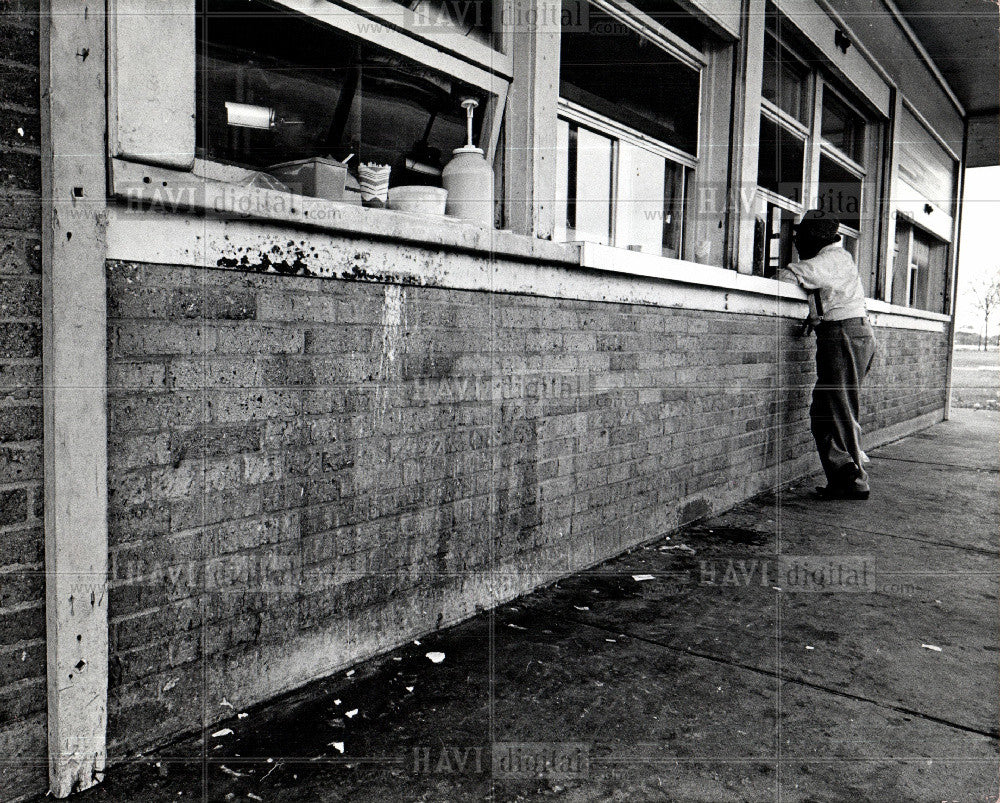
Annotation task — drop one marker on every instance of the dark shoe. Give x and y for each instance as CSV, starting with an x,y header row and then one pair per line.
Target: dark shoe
x,y
833,492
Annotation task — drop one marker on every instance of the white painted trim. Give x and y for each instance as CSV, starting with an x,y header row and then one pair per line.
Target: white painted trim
x,y
781,117
353,24
175,191
606,125
74,394
918,46
151,81
908,202
635,263
722,15
884,307
812,21
908,105
395,15
175,239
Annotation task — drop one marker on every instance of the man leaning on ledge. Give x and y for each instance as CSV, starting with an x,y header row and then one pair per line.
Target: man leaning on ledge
x,y
845,348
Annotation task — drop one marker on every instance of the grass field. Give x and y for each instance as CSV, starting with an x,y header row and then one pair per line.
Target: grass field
x,y
976,378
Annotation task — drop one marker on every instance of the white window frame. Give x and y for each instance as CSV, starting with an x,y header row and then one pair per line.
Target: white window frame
x,y
816,147
830,151
168,137
617,133
666,40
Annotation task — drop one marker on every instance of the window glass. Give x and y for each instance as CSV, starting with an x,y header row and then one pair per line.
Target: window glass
x,y
921,276
781,159
640,212
924,164
839,192
850,244
674,204
607,185
615,72
583,202
328,94
649,203
786,81
842,127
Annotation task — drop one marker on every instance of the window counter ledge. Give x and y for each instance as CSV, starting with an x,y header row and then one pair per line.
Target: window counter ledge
x,y
142,186
622,260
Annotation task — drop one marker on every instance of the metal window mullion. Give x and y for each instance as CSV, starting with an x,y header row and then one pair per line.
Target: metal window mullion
x,y
783,118
810,191
605,125
614,194
909,265
845,161
779,200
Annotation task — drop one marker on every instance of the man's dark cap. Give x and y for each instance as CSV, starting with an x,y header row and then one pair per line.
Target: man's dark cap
x,y
820,225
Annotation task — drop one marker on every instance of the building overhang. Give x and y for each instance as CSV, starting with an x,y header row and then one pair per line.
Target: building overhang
x,y
962,39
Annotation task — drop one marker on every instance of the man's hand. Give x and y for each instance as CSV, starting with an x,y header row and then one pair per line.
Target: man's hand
x,y
810,324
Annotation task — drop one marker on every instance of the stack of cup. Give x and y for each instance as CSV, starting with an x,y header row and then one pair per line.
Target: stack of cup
x,y
374,181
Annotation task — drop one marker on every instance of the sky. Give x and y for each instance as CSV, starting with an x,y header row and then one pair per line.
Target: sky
x,y
979,249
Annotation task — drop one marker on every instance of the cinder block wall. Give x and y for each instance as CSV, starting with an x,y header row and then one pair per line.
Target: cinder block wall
x,y
307,471
22,614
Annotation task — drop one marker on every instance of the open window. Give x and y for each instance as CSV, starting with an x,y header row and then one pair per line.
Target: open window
x,y
629,138
818,149
257,83
324,93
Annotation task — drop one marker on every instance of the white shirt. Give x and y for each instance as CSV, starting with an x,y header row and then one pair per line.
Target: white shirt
x,y
833,272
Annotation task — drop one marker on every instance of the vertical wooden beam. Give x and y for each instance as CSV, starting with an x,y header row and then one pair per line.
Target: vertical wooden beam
x,y
746,133
75,406
892,178
532,107
956,243
706,231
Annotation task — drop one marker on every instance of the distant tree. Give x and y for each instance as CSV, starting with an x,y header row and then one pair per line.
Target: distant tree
x,y
985,296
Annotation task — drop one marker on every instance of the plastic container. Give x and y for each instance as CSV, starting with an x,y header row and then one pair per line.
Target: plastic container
x,y
317,177
469,181
417,198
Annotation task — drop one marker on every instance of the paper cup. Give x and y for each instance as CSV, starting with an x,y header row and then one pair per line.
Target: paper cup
x,y
374,181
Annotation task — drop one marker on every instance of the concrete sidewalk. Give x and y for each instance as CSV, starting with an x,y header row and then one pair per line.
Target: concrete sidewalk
x,y
705,667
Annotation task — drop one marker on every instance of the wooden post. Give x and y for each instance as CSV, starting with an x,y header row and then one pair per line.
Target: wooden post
x,y
75,406
952,281
534,29
746,134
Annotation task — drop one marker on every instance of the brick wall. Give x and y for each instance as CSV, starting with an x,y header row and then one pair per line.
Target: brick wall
x,y
907,379
306,471
22,615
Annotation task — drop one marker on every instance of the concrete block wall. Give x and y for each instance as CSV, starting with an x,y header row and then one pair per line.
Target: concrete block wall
x,y
304,471
22,613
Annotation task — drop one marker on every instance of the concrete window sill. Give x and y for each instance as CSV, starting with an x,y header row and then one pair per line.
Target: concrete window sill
x,y
239,222
174,190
